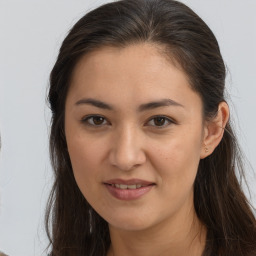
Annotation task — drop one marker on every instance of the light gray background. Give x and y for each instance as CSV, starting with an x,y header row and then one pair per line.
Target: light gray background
x,y
30,35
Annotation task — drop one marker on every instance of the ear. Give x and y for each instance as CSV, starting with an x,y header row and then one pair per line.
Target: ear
x,y
214,130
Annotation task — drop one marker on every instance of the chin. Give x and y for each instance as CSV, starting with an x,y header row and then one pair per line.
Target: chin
x,y
130,222
130,226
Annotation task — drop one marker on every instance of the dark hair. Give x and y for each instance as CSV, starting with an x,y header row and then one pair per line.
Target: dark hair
x,y
73,227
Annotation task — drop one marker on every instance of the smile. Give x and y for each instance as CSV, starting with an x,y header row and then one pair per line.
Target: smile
x,y
128,190
124,186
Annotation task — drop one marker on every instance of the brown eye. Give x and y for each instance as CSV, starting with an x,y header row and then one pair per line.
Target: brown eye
x,y
95,120
160,121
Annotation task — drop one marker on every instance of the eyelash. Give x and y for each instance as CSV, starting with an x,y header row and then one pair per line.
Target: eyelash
x,y
85,120
167,121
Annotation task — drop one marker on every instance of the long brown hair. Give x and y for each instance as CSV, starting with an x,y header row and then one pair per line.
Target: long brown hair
x,y
73,227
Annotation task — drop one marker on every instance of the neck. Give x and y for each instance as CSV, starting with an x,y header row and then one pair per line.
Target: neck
x,y
179,237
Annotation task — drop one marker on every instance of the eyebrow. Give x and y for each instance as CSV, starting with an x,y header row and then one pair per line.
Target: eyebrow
x,y
95,103
143,107
158,104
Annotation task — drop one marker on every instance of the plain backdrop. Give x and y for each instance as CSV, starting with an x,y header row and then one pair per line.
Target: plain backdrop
x,y
30,35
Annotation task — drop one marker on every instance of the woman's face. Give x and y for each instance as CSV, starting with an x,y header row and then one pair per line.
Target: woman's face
x,y
134,131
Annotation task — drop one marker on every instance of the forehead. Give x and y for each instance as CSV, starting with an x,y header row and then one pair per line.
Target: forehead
x,y
139,72
124,59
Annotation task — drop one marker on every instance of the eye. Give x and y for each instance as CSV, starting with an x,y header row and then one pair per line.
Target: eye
x,y
95,120
160,121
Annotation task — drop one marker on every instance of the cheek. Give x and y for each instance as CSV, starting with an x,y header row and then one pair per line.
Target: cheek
x,y
177,162
86,157
180,149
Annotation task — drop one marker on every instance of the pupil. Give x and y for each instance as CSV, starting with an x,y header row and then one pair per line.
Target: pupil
x,y
98,120
159,121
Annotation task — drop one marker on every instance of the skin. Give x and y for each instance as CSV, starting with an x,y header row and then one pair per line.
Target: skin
x,y
127,143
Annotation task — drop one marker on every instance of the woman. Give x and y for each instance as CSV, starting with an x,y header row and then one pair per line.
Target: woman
x,y
141,143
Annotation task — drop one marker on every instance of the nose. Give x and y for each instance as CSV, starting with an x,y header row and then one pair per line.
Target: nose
x,y
127,149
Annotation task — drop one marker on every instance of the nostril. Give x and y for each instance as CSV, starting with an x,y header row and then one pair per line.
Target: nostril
x,y
126,154
127,164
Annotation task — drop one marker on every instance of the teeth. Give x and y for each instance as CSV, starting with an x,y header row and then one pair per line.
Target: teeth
x,y
131,186
123,186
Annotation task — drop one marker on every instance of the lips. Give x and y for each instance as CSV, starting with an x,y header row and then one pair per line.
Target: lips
x,y
128,189
129,182
124,186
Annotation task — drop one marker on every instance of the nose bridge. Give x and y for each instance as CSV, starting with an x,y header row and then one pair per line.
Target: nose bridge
x,y
127,148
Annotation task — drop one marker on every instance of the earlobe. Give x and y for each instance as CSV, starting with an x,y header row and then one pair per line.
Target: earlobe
x,y
214,130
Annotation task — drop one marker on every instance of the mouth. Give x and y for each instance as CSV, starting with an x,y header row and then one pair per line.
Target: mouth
x,y
128,189
125,186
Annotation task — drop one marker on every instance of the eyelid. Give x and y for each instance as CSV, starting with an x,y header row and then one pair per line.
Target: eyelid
x,y
85,119
167,118
170,121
